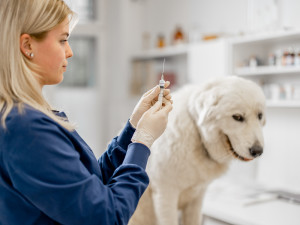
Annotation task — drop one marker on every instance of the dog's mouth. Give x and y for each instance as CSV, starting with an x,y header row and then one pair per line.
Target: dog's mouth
x,y
234,153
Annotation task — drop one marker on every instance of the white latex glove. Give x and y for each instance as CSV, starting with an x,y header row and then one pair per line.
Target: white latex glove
x,y
153,123
146,101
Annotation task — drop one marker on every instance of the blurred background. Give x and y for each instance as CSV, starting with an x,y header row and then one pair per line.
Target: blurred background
x,y
119,47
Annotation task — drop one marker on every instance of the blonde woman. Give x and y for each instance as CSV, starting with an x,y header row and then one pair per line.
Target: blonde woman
x,y
49,175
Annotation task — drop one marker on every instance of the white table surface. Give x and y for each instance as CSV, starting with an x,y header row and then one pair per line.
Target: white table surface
x,y
237,205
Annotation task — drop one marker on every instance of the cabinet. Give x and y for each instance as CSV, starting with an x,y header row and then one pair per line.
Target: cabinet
x,y
275,66
188,63
207,59
272,60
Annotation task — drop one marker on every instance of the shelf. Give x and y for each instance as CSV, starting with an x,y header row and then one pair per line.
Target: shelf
x,y
162,52
266,70
283,104
270,38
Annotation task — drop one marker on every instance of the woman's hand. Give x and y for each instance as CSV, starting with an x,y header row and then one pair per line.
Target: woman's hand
x,y
146,102
153,123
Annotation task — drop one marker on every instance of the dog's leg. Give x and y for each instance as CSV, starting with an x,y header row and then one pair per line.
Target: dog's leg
x,y
191,213
165,206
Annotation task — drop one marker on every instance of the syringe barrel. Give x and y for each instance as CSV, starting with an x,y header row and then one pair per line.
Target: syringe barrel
x,y
161,94
162,87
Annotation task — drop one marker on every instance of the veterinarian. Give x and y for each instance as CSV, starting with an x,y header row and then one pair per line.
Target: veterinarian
x,y
49,175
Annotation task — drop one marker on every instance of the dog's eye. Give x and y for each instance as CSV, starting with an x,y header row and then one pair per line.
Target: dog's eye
x,y
238,117
260,116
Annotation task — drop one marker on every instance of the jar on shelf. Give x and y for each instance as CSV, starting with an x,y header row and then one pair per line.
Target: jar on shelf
x,y
275,92
146,41
297,57
296,91
282,92
253,61
160,41
278,60
289,91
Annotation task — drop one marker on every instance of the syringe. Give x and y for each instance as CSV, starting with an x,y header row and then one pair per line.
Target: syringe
x,y
162,84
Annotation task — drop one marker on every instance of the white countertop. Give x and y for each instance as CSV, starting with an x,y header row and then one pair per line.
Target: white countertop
x,y
242,205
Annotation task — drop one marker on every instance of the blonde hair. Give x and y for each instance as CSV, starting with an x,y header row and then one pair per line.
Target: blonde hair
x,y
18,81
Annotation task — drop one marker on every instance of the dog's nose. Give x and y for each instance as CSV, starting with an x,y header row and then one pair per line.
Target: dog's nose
x,y
256,150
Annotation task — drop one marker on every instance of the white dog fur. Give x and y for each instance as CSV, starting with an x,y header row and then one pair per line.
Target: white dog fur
x,y
207,122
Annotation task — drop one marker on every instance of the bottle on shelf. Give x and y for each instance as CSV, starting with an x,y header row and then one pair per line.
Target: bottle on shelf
x,y
285,57
146,41
178,37
292,56
271,59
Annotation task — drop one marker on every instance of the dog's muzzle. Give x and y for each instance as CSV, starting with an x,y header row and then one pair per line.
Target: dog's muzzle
x,y
256,151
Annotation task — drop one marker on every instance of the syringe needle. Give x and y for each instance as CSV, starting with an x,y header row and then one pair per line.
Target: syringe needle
x,y
162,74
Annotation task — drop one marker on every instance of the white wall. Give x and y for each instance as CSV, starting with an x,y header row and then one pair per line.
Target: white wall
x,y
208,16
124,24
279,166
81,105
228,16
289,13
213,16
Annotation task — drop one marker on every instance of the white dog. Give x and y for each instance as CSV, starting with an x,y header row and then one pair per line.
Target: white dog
x,y
208,127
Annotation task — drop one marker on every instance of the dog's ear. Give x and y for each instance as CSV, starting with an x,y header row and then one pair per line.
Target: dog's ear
x,y
203,104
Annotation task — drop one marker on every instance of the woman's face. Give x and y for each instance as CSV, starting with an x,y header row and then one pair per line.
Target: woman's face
x,y
51,54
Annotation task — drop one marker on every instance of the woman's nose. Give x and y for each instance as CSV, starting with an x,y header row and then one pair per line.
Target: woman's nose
x,y
69,52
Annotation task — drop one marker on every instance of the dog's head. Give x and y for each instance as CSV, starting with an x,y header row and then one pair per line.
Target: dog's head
x,y
230,114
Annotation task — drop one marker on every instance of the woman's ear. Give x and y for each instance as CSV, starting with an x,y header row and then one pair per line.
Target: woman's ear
x,y
26,45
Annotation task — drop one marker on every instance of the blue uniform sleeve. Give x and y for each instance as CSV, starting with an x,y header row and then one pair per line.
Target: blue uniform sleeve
x,y
45,168
113,157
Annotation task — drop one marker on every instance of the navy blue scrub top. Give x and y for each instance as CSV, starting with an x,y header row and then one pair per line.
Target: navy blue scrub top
x,y
49,175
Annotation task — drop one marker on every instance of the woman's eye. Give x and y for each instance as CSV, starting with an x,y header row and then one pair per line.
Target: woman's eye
x,y
238,118
63,41
260,116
